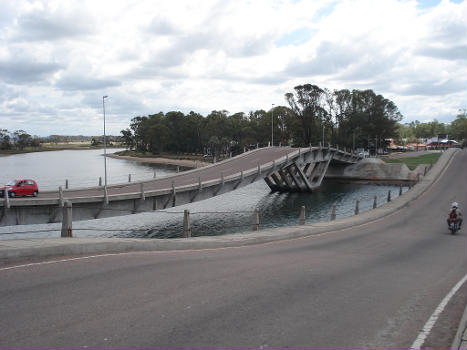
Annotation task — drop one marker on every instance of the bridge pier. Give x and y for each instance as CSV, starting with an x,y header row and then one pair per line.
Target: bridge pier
x,y
302,174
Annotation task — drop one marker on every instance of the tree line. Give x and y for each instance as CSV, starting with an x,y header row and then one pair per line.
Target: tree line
x,y
17,140
347,118
416,131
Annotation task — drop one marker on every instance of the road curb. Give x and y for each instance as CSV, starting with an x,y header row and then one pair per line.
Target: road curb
x,y
460,340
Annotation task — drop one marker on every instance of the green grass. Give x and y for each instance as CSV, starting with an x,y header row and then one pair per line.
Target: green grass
x,y
413,162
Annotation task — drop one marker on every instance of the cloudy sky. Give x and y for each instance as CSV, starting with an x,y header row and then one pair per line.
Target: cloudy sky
x,y
58,58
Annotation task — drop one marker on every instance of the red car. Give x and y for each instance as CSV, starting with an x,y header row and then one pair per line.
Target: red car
x,y
25,187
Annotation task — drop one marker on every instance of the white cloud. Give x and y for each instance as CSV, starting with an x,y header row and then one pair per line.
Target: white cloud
x,y
58,58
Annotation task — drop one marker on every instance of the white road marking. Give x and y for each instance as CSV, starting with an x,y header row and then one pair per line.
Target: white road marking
x,y
417,344
56,261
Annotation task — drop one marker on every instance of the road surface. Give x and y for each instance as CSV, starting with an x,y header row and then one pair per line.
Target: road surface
x,y
367,287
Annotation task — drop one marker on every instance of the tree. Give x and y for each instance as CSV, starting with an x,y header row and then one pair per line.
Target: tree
x,y
5,140
128,138
22,139
307,106
458,128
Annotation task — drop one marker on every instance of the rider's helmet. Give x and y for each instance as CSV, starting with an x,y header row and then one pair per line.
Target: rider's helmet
x,y
454,205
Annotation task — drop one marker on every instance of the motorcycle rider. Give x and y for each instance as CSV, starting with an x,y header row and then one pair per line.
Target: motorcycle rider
x,y
455,214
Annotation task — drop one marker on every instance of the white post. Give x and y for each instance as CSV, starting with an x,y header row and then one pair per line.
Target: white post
x,y
7,199
67,221
256,222
106,197
60,196
333,212
186,224
142,192
302,215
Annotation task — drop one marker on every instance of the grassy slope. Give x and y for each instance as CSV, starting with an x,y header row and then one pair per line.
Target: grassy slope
x,y
413,162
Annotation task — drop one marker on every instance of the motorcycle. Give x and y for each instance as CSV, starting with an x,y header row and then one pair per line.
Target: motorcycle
x,y
454,226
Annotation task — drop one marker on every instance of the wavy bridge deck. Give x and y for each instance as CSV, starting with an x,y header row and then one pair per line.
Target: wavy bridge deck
x,y
283,169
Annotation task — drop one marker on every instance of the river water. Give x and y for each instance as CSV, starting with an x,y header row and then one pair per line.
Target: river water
x,y
225,214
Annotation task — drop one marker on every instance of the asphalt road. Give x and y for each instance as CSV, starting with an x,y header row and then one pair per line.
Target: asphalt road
x,y
367,287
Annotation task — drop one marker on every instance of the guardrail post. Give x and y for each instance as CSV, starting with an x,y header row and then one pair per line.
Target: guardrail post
x,y
375,203
129,177
389,195
302,215
333,212
186,224
67,221
256,224
66,184
7,199
357,207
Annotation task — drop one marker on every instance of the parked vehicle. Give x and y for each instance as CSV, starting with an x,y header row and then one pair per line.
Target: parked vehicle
x,y
22,187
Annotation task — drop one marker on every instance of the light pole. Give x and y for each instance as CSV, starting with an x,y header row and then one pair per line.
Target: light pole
x,y
272,126
323,134
105,145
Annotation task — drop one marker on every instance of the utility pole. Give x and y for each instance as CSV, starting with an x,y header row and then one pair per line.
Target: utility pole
x,y
272,126
105,145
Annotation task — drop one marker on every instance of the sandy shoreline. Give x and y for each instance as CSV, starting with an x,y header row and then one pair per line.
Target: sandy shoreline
x,y
158,160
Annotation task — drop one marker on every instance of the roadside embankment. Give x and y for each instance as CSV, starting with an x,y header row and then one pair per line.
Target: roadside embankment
x,y
31,249
374,170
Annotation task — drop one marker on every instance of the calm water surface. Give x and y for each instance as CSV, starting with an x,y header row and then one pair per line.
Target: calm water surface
x,y
82,168
225,214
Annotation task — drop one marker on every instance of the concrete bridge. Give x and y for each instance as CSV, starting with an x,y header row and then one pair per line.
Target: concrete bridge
x,y
283,169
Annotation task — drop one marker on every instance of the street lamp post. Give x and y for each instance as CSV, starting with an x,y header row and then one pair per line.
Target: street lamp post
x,y
272,126
105,145
323,134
